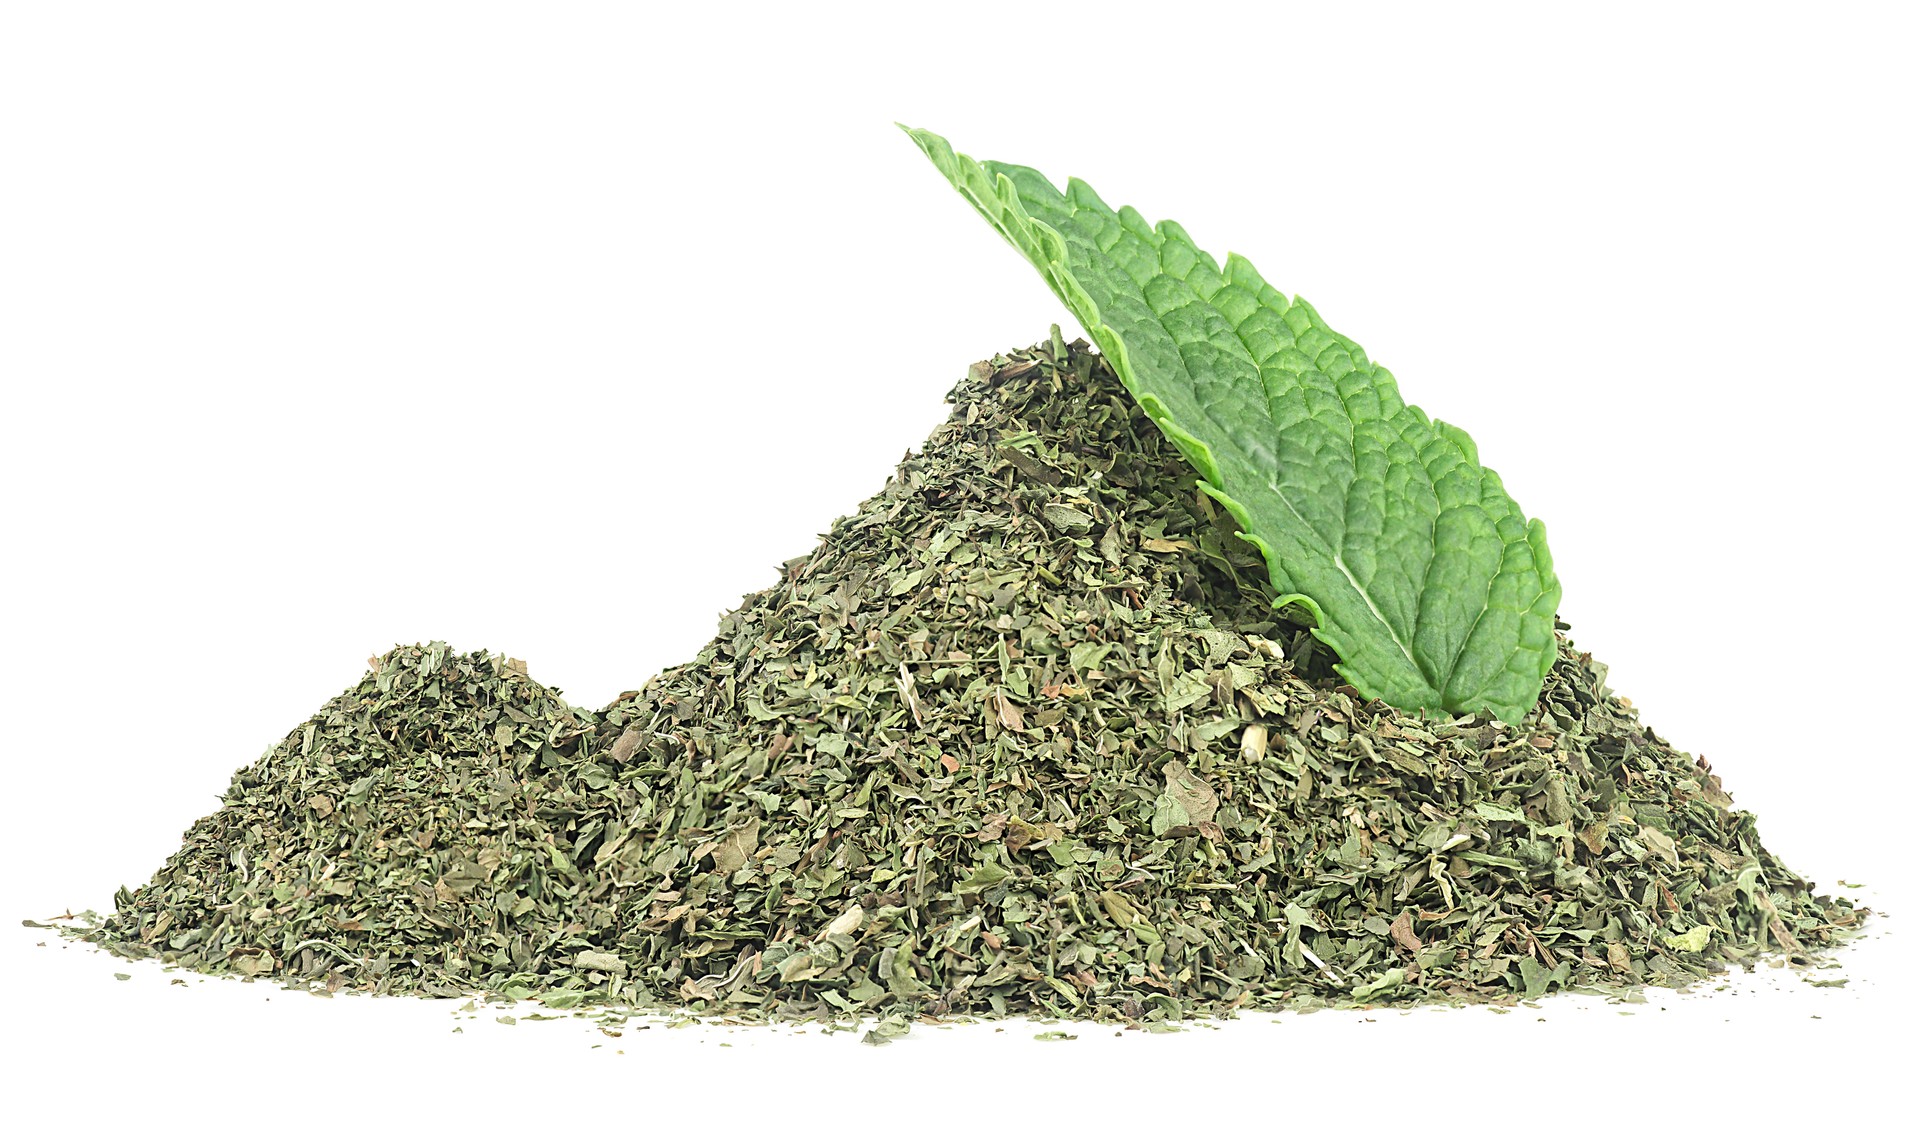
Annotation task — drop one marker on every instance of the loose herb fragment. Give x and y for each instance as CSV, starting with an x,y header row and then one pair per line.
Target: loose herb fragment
x,y
1418,569
1075,768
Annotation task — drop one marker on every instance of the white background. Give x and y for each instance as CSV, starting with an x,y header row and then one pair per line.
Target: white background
x,y
552,329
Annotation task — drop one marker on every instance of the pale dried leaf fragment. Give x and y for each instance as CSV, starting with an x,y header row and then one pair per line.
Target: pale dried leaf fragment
x,y
908,695
847,924
1187,801
1661,844
1007,713
732,852
1402,933
625,745
600,962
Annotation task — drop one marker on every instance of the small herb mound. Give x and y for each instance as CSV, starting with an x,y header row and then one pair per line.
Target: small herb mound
x,y
383,844
1019,736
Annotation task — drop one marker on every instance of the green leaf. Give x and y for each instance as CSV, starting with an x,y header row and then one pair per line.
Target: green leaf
x,y
1420,572
1381,985
982,878
887,1030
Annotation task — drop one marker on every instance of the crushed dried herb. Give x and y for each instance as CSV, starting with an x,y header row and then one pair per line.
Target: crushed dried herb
x,y
1022,735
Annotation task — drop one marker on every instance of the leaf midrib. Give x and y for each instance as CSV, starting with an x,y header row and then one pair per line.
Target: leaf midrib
x,y
1277,490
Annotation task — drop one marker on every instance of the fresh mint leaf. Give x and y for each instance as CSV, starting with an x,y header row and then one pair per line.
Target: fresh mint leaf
x,y
1420,572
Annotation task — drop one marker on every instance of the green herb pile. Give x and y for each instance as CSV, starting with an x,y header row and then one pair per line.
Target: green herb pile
x,y
1022,735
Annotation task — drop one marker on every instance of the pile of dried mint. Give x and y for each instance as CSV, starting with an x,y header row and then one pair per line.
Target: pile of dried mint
x,y
1021,735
